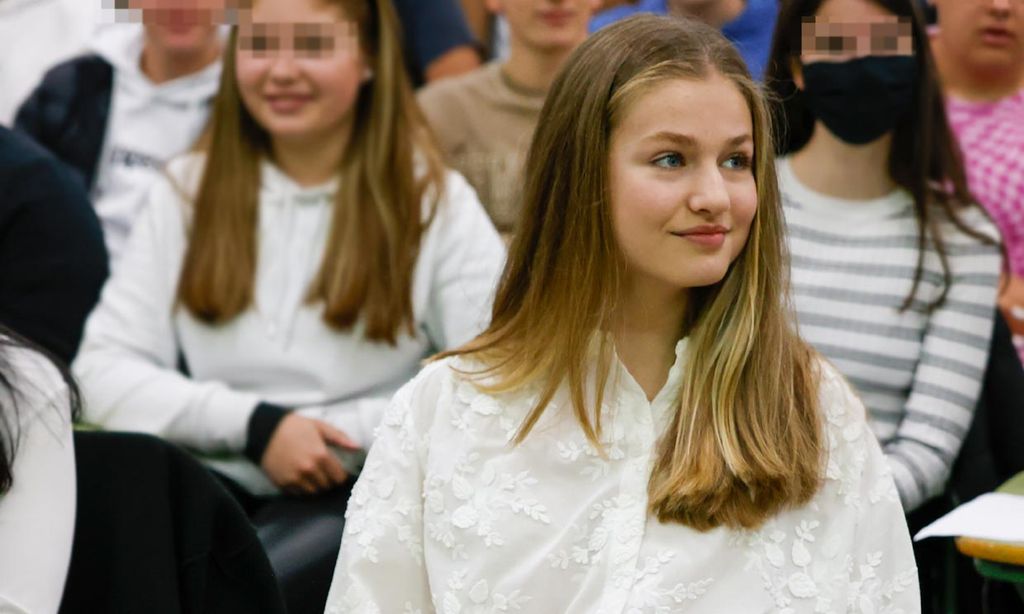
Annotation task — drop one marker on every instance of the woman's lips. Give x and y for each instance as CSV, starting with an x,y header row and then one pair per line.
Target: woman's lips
x,y
997,37
707,235
287,103
713,239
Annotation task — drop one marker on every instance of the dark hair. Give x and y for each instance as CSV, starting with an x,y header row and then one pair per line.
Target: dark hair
x,y
924,158
9,429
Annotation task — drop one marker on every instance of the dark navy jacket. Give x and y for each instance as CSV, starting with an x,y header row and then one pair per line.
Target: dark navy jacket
x,y
68,112
53,261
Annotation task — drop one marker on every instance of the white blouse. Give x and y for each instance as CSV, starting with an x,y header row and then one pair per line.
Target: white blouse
x,y
449,517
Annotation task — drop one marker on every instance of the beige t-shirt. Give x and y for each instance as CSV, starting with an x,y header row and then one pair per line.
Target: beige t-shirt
x,y
484,125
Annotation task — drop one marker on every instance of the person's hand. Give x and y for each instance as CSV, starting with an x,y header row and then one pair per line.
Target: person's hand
x,y
298,459
1011,302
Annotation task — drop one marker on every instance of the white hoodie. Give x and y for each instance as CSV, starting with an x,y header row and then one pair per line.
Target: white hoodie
x,y
149,124
279,350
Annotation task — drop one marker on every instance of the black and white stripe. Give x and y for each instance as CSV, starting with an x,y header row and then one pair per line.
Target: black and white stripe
x,y
918,371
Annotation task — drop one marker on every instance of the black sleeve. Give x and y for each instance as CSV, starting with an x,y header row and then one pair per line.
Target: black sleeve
x,y
432,29
262,424
67,113
53,261
42,114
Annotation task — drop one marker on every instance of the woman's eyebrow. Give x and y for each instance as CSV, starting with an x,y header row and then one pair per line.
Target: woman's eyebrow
x,y
689,141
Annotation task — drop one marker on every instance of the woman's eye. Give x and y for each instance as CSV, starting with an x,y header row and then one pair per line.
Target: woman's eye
x,y
313,45
257,43
738,162
672,160
836,44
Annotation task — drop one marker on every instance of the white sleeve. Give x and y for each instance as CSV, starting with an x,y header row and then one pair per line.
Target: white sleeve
x,y
37,515
467,265
380,567
127,363
948,379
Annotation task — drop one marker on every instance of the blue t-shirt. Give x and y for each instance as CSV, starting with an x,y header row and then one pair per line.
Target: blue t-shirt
x,y
431,28
751,32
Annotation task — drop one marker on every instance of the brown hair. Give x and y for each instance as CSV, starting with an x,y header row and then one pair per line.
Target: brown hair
x,y
746,441
377,220
924,158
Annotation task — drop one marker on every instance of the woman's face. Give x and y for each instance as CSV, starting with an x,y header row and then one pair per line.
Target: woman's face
x,y
299,68
847,29
856,70
683,193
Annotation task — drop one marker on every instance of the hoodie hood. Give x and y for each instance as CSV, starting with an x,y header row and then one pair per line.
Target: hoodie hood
x,y
279,187
148,125
121,45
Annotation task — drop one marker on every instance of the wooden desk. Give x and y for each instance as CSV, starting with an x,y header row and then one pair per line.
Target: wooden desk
x,y
995,560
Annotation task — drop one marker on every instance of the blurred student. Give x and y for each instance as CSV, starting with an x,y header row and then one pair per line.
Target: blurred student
x,y
117,115
639,429
37,478
283,282
438,41
34,36
485,120
748,24
979,50
52,259
894,267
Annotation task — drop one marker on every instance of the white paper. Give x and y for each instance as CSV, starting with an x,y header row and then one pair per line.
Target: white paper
x,y
995,516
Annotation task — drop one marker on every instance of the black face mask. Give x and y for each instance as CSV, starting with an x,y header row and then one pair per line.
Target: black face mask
x,y
860,100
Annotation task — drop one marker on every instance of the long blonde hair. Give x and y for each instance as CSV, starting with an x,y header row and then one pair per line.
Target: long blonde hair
x,y
378,216
746,441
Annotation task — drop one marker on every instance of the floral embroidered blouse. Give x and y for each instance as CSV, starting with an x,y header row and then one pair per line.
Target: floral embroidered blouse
x,y
449,517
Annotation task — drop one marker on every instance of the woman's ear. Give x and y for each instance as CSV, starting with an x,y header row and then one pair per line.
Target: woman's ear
x,y
798,73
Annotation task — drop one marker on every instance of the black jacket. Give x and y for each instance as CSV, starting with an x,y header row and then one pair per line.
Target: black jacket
x,y
155,533
68,112
52,257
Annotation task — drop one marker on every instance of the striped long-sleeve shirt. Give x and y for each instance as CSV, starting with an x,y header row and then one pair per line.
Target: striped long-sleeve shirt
x,y
918,371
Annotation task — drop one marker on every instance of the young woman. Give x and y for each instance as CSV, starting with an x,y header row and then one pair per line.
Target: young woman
x,y
37,479
979,51
289,277
639,429
894,270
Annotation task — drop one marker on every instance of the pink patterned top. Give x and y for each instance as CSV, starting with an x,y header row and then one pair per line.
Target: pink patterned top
x,y
991,136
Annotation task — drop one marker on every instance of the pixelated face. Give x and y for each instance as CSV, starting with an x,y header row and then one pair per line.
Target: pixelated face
x,y
177,26
847,29
547,24
984,34
681,178
299,68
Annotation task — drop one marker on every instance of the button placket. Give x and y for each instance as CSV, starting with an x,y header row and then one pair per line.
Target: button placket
x,y
631,510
